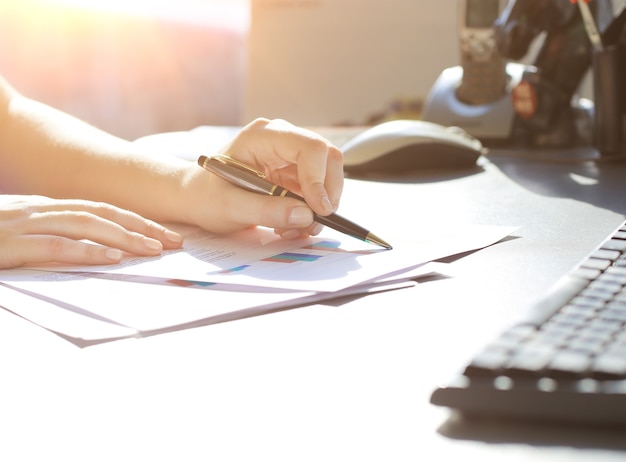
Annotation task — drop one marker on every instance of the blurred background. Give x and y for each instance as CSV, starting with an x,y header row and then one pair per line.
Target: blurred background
x,y
138,67
131,67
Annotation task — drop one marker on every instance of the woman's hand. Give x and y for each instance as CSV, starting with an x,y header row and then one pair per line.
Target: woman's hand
x,y
37,230
295,158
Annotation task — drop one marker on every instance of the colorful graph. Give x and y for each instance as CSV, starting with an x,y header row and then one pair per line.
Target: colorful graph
x,y
333,246
291,257
186,283
306,254
236,269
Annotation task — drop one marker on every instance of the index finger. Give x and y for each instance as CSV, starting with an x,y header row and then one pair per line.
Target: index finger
x,y
318,163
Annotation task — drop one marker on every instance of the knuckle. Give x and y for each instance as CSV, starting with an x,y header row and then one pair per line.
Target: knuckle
x,y
278,121
261,120
152,228
83,219
258,123
335,154
91,252
18,214
319,144
134,239
56,246
105,210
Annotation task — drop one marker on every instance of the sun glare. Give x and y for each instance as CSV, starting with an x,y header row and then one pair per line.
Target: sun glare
x,y
230,13
120,63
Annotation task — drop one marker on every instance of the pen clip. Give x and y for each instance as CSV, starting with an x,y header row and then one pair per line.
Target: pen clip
x,y
235,163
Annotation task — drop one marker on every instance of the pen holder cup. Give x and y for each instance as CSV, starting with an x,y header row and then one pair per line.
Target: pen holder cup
x,y
609,75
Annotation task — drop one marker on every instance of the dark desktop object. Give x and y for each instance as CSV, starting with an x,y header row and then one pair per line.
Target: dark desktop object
x,y
505,103
484,78
609,74
475,95
564,360
548,114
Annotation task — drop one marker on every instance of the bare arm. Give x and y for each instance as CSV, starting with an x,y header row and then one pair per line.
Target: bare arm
x,y
65,181
47,152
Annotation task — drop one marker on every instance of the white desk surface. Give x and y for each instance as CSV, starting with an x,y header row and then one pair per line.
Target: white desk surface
x,y
349,381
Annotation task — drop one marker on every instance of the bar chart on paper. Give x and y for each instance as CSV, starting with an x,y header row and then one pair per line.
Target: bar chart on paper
x,y
259,258
319,260
303,254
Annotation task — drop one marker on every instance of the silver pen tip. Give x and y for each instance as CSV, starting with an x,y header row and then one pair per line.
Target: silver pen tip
x,y
372,238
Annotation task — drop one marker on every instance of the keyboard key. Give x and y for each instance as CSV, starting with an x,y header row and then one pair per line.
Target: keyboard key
x,y
603,328
615,244
603,254
607,285
489,360
590,303
621,297
556,337
598,294
596,263
569,320
586,273
569,362
531,358
619,271
621,234
609,365
572,362
613,313
617,348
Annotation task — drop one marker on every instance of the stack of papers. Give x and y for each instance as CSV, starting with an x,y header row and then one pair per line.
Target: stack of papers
x,y
217,278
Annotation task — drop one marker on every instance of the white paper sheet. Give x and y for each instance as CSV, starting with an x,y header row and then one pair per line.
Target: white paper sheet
x,y
95,307
198,285
258,257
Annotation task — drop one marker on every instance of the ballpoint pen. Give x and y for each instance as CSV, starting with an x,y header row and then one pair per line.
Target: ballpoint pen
x,y
253,180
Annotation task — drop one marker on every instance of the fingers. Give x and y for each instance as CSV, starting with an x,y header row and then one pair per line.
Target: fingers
x,y
296,158
41,230
84,225
40,249
235,208
102,223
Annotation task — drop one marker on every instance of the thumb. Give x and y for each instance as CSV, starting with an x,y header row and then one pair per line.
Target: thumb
x,y
273,212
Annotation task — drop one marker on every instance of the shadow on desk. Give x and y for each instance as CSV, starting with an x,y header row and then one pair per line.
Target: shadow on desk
x,y
566,173
491,431
417,176
577,174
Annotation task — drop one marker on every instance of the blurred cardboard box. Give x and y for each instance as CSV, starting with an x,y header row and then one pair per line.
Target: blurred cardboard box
x,y
331,62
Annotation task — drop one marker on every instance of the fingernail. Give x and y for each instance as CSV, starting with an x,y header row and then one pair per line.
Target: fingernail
x,y
300,216
113,254
152,243
291,234
316,229
173,237
328,206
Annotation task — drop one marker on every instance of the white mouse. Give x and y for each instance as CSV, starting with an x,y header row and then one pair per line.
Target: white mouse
x,y
405,145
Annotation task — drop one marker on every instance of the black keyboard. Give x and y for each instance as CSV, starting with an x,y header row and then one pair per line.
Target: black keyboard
x,y
565,360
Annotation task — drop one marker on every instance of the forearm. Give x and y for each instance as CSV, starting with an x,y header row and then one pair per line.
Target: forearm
x,y
44,151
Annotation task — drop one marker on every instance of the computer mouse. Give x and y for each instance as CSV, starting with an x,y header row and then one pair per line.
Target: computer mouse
x,y
406,145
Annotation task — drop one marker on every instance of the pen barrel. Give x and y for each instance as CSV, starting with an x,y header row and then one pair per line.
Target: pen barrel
x,y
236,175
255,182
339,223
334,221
